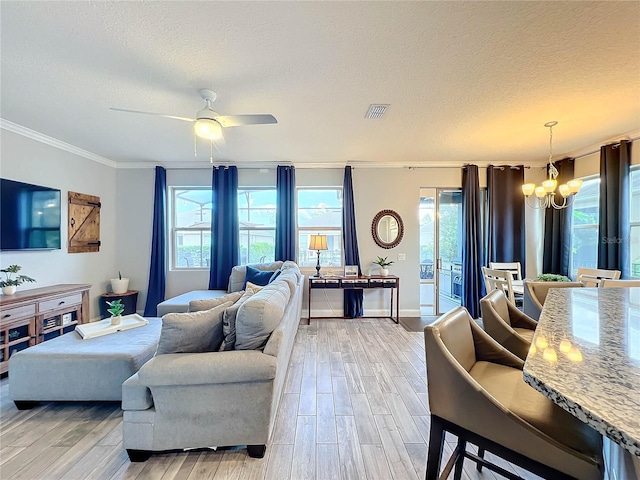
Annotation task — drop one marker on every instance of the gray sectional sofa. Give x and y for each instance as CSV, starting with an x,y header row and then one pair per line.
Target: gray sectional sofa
x,y
196,400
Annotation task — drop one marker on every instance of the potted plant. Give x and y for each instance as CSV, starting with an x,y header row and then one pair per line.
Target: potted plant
x,y
9,283
119,285
552,277
384,263
115,309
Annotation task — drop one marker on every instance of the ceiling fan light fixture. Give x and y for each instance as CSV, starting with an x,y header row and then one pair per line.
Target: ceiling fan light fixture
x,y
207,128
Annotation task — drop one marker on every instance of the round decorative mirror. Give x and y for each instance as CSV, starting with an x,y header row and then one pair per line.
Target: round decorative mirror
x,y
387,229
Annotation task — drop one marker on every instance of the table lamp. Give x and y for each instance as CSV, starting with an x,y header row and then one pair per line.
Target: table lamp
x,y
318,242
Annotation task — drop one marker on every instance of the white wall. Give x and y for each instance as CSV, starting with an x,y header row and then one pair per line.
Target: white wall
x,y
30,161
134,211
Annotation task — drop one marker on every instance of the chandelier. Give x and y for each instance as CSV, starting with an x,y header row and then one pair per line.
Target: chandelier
x,y
546,193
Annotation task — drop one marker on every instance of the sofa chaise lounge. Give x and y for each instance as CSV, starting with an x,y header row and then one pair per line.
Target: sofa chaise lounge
x,y
227,398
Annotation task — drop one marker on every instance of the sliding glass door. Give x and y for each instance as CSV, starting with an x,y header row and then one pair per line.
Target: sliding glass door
x,y
440,250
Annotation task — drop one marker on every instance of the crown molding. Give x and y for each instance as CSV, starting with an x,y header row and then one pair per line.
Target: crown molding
x,y
315,165
194,164
39,137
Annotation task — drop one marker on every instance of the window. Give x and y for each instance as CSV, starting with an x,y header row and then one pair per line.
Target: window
x,y
584,227
257,217
191,227
320,212
634,217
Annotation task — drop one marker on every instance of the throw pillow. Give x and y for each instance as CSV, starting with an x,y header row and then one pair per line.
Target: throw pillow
x,y
260,315
275,275
209,303
253,288
229,322
290,266
194,332
239,272
257,277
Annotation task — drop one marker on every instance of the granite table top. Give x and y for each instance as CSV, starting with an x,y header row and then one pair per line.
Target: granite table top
x,y
585,356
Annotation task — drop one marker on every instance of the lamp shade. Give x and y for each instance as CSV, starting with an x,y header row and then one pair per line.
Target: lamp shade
x,y
207,128
318,242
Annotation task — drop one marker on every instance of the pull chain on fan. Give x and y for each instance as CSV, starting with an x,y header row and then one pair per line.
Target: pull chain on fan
x,y
195,147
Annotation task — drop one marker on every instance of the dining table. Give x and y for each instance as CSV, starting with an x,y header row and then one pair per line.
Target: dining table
x,y
585,357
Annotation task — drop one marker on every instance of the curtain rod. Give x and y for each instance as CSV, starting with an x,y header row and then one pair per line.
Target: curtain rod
x,y
596,151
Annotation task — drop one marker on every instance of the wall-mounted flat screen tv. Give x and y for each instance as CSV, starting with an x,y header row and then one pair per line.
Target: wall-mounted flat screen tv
x,y
29,216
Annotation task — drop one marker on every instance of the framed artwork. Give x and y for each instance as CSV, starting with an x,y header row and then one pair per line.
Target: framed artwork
x,y
350,270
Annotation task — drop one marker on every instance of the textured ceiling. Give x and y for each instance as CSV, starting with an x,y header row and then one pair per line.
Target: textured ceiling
x,y
467,81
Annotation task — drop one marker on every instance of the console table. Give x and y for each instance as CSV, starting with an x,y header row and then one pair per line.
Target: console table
x,y
390,282
33,316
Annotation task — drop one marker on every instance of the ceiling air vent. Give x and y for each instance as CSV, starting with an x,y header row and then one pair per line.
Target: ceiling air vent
x,y
376,110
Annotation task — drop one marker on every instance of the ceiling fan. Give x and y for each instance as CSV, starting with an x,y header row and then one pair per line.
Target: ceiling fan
x,y
208,124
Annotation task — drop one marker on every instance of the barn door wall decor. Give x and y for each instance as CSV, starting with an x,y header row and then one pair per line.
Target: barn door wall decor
x,y
84,223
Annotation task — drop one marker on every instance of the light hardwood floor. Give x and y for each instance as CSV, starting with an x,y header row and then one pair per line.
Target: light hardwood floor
x,y
354,406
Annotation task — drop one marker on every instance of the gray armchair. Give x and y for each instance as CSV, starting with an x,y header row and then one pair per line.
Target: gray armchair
x,y
506,324
476,392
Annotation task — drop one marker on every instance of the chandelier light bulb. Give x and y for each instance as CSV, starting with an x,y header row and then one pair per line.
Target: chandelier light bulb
x,y
549,185
540,192
564,190
574,185
528,189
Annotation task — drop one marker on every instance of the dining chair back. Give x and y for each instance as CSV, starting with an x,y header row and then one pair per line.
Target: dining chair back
x,y
513,267
591,277
535,293
499,280
506,324
608,283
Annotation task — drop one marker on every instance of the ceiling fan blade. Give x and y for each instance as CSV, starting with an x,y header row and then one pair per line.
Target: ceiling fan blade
x,y
248,119
154,114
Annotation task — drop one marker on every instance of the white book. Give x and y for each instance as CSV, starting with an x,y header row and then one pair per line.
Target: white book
x,y
104,327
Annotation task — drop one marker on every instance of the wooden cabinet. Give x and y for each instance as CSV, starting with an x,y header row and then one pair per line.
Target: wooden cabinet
x,y
34,316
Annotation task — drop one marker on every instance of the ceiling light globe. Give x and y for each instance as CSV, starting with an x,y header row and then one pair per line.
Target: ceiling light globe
x,y
207,128
564,190
540,193
528,189
549,185
574,185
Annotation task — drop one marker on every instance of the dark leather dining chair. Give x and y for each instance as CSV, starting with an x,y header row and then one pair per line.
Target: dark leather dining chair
x,y
506,324
477,393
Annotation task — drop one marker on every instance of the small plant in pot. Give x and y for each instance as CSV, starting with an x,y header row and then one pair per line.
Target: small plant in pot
x,y
384,263
9,283
115,309
552,277
119,285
